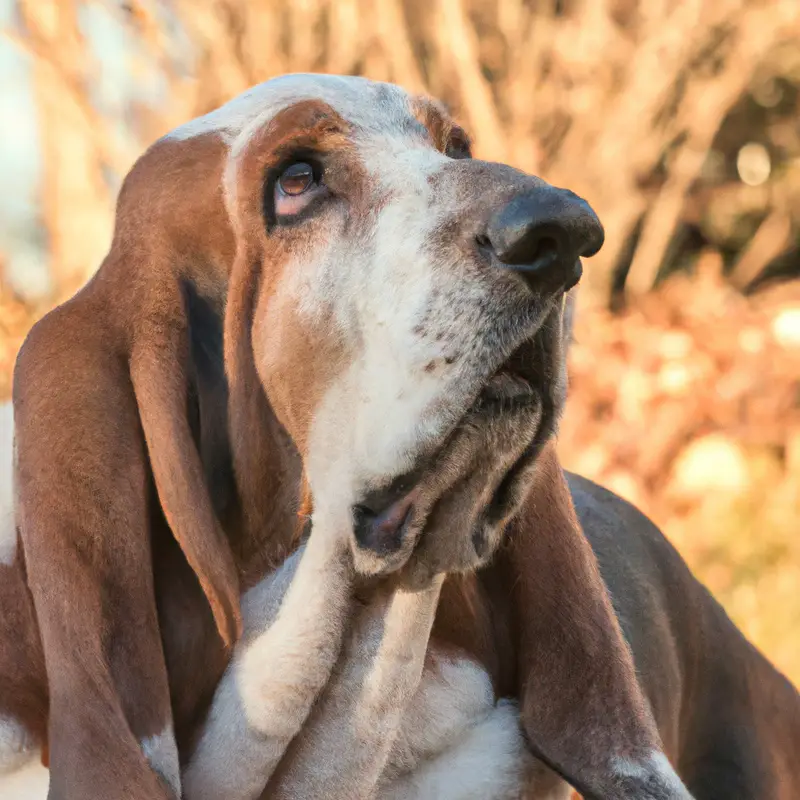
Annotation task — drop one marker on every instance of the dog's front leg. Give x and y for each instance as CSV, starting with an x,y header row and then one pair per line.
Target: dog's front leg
x,y
344,747
294,625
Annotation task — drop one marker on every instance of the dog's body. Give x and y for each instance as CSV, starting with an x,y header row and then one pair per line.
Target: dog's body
x,y
133,432
727,719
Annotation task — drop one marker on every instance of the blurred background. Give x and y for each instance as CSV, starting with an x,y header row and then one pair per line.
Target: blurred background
x,y
679,120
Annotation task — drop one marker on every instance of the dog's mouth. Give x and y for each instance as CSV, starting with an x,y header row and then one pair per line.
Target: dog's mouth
x,y
499,418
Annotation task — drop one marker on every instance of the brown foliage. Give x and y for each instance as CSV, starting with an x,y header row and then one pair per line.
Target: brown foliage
x,y
688,405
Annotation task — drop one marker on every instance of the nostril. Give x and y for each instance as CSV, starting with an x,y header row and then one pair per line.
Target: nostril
x,y
382,533
544,253
536,250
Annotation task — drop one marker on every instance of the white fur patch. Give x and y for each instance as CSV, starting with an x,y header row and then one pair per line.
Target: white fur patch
x,y
453,694
655,766
8,531
296,653
161,752
30,782
489,763
353,97
229,760
345,744
22,776
456,743
17,746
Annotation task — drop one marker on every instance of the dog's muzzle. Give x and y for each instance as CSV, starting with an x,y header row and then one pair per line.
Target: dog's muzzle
x,y
467,489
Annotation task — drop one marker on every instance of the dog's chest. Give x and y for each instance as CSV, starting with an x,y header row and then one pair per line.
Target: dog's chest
x,y
454,694
455,740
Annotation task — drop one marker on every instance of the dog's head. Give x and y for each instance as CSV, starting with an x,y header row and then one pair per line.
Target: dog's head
x,y
402,302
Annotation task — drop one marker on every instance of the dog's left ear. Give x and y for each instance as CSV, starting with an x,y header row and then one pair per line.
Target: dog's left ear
x,y
583,711
582,708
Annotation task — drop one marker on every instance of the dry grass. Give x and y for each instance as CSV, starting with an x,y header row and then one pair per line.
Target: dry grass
x,y
618,99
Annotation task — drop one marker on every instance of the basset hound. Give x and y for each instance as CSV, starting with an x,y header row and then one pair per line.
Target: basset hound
x,y
393,342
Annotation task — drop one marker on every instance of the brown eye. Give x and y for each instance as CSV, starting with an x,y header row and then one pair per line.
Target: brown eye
x,y
296,179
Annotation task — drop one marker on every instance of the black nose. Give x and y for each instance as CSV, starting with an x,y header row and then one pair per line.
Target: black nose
x,y
542,233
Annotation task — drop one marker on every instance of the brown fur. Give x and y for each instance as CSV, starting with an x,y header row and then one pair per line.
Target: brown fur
x,y
575,633
447,136
100,411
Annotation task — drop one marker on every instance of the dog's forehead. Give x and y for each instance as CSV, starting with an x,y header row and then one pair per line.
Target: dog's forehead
x,y
366,104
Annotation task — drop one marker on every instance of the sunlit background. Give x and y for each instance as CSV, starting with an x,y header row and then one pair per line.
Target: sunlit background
x,y
679,120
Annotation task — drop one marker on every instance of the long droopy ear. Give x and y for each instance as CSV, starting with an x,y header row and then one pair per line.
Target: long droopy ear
x,y
581,705
160,377
583,710
266,463
83,497
189,243
102,400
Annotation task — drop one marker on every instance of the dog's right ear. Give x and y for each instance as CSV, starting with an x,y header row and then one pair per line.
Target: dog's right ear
x,y
189,215
582,708
103,397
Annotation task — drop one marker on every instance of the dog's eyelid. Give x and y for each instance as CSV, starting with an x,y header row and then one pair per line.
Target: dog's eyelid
x,y
314,160
295,153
